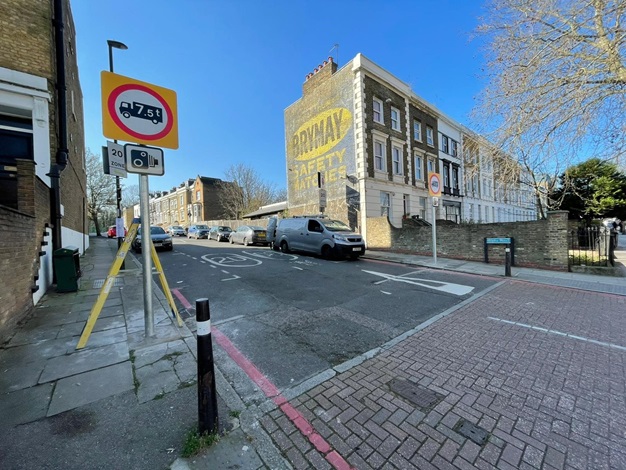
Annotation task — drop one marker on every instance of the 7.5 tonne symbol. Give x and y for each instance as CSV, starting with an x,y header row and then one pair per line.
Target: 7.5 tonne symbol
x,y
141,111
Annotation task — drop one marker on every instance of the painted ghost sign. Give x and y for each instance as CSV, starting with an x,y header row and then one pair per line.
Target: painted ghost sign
x,y
314,147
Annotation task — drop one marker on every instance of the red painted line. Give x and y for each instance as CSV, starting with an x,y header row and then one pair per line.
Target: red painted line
x,y
271,391
182,299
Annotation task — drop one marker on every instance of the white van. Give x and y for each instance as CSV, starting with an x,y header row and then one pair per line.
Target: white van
x,y
318,235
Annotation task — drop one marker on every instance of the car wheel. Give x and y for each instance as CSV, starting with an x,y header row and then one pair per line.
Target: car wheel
x,y
245,242
231,240
284,247
326,252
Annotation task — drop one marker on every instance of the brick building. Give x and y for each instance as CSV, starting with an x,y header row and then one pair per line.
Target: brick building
x,y
371,141
42,162
195,200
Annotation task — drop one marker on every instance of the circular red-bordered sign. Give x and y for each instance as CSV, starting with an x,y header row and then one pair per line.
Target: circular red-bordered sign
x,y
140,114
434,184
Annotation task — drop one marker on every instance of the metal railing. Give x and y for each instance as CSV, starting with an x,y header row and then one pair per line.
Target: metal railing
x,y
592,246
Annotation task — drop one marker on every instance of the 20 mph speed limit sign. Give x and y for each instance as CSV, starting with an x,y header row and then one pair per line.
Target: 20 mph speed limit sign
x,y
138,112
434,184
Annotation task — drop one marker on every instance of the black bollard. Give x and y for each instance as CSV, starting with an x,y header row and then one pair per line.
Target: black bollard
x,y
507,262
207,394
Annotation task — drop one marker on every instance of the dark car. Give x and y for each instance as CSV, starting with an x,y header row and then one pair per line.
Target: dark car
x,y
176,230
220,233
198,231
160,239
249,235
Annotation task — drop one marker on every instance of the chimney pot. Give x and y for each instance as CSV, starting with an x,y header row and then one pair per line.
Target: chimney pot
x,y
330,59
324,64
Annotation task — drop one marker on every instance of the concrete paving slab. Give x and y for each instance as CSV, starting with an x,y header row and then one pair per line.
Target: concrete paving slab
x,y
230,452
18,376
91,386
102,338
151,354
37,352
84,360
30,335
25,406
155,380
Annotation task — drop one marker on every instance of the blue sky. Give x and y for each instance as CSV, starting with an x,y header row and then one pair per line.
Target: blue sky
x,y
237,64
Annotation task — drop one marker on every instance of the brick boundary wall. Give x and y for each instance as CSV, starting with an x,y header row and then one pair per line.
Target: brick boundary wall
x,y
540,243
17,265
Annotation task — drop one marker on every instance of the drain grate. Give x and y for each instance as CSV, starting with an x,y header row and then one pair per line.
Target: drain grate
x,y
419,396
117,282
472,432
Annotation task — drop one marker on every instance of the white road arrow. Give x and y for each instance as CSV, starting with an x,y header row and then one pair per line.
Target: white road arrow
x,y
448,287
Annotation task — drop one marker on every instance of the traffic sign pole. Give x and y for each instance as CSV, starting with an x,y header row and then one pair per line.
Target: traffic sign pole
x,y
146,249
434,189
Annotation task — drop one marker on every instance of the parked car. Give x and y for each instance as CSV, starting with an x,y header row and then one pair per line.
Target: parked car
x,y
112,232
220,233
198,231
249,235
176,230
160,239
320,236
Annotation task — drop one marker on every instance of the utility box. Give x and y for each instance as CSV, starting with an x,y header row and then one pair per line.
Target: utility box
x,y
67,268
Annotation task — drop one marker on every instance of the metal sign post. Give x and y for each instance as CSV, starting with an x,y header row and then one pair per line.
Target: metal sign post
x,y
146,249
434,190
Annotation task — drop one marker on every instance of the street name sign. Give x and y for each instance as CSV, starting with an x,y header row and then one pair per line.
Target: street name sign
x,y
138,112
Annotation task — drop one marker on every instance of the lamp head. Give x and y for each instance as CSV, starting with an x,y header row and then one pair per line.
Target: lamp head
x,y
116,44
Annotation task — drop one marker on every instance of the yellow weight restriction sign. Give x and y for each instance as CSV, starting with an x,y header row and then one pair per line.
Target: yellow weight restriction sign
x,y
434,184
138,112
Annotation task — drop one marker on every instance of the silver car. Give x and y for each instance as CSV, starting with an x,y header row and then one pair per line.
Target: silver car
x,y
249,235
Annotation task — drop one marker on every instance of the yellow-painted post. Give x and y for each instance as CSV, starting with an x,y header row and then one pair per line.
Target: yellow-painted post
x,y
164,285
108,283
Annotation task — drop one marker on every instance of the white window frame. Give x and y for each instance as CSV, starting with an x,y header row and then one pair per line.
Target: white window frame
x,y
197,195
397,160
379,112
422,209
406,202
430,136
431,165
445,143
382,157
385,203
446,176
418,168
454,148
395,123
417,130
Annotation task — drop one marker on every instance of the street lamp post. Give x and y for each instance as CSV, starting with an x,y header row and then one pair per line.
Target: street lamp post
x,y
118,189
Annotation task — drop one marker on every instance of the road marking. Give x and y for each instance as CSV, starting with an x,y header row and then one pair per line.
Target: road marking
x,y
185,303
388,293
225,272
231,278
299,269
271,255
560,333
231,260
448,287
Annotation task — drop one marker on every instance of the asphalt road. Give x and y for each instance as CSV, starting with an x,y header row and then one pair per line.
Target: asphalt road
x,y
294,316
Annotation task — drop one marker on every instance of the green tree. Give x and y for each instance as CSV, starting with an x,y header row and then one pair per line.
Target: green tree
x,y
594,188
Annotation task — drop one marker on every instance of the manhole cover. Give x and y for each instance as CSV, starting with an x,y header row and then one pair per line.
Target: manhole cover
x,y
472,432
117,282
419,396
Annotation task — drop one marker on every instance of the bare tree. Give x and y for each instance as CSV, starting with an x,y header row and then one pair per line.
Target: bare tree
x,y
245,191
130,195
100,190
557,84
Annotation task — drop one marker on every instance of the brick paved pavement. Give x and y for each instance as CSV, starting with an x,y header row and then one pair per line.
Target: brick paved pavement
x,y
503,362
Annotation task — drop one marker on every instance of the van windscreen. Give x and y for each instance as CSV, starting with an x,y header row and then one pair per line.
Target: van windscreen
x,y
336,226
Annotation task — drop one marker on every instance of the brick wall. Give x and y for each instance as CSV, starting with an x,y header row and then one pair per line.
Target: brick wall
x,y
16,264
27,38
540,243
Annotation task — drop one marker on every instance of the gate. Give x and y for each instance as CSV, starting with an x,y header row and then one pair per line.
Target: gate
x,y
592,246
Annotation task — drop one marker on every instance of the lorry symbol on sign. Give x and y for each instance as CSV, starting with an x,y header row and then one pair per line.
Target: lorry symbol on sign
x,y
141,111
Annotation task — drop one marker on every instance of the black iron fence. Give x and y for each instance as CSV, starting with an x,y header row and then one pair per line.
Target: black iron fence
x,y
592,246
